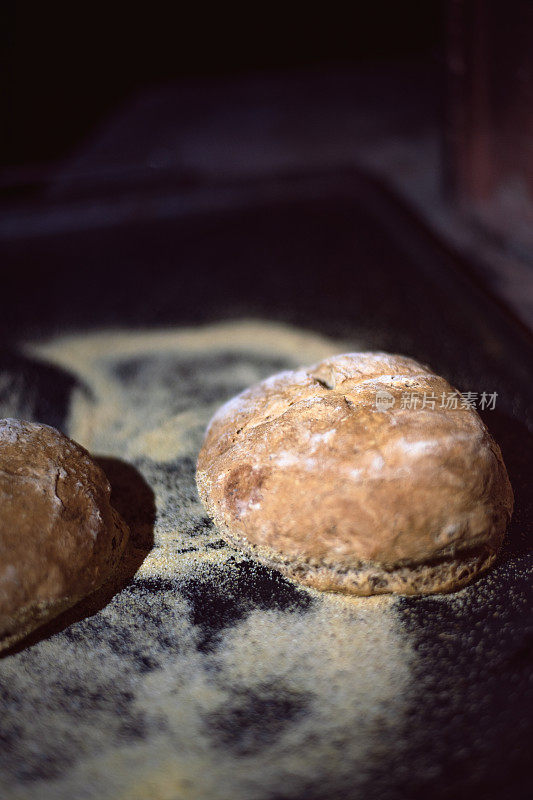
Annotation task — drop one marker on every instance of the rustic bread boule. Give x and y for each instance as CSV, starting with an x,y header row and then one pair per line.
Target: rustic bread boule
x,y
306,473
59,536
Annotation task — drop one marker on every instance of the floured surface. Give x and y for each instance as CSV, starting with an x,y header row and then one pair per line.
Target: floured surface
x,y
206,676
199,674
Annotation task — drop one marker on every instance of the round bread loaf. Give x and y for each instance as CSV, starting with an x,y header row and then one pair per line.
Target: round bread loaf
x,y
59,536
327,475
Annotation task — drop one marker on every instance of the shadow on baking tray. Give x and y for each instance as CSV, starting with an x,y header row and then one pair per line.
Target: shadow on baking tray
x,y
35,391
516,443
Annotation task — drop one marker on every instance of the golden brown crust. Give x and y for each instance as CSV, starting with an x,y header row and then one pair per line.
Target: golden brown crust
x,y
60,539
308,473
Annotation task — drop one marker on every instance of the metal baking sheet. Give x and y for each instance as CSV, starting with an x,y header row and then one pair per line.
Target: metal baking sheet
x,y
197,673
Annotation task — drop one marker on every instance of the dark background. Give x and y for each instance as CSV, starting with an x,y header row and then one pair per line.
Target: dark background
x,y
66,69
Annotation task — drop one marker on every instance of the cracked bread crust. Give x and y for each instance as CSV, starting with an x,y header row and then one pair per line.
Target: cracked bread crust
x,y
307,474
60,538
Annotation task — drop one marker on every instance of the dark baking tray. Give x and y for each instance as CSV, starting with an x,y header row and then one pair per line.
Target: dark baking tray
x,y
335,253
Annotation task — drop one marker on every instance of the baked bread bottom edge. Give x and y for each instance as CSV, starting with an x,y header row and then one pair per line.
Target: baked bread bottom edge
x,y
439,575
